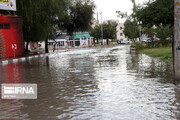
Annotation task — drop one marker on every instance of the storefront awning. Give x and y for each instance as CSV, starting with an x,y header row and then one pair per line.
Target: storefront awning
x,y
79,36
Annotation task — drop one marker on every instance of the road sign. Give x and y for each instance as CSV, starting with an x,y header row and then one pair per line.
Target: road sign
x,y
14,46
8,5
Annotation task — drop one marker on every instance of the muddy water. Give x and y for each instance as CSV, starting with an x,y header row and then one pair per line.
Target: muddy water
x,y
94,84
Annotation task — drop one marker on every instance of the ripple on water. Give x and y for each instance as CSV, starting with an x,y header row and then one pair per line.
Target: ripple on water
x,y
107,83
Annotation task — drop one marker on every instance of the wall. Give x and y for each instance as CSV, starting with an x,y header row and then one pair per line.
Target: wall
x,y
11,34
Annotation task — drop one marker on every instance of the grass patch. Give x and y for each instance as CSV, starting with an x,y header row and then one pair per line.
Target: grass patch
x,y
162,52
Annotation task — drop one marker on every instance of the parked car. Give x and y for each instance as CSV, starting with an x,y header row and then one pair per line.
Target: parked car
x,y
168,38
146,40
125,42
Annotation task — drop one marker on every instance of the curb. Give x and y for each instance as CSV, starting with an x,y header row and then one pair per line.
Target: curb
x,y
15,60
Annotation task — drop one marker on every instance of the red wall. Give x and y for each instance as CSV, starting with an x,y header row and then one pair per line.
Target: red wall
x,y
11,35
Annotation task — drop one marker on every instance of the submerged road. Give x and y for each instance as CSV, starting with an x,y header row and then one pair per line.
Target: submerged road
x,y
93,84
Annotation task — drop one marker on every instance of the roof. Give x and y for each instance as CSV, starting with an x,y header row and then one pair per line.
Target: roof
x,y
78,36
61,36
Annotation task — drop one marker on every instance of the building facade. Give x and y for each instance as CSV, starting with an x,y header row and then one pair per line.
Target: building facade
x,y
11,37
120,34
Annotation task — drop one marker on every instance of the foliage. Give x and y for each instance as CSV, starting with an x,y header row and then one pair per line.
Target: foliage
x,y
96,32
156,13
122,14
79,15
162,52
164,33
150,32
109,31
138,46
131,29
40,18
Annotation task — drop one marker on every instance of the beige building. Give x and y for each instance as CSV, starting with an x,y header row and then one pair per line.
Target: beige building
x,y
120,35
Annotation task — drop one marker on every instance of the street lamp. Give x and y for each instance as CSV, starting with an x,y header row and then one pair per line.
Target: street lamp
x,y
101,26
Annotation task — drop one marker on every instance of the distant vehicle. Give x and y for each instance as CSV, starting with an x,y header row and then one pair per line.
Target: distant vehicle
x,y
146,40
125,42
169,38
156,39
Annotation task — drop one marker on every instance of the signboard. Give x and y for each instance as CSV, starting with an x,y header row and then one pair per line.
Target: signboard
x,y
14,46
84,37
8,5
84,41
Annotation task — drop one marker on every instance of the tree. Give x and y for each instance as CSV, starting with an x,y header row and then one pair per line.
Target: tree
x,y
109,31
79,16
131,29
156,13
40,18
96,32
150,32
164,33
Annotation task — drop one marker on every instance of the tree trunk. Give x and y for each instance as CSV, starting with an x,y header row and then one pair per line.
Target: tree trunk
x,y
54,47
46,46
26,48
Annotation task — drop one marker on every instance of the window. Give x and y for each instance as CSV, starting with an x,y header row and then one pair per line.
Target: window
x,y
5,26
121,34
1,26
121,28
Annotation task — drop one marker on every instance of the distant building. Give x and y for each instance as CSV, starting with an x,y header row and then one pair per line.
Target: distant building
x,y
83,39
64,41
120,33
94,22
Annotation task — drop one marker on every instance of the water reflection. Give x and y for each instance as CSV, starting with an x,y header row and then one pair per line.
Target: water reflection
x,y
108,83
148,67
12,73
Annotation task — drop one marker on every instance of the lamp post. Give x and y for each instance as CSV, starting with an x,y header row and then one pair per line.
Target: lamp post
x,y
101,27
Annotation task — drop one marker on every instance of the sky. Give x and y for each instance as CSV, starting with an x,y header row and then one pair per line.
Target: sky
x,y
109,8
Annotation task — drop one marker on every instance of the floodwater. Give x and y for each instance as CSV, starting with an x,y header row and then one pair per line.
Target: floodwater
x,y
93,84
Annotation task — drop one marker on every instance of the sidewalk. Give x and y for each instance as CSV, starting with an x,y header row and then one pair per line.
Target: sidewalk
x,y
42,54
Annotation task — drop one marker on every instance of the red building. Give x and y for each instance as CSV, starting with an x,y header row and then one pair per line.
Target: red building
x,y
11,37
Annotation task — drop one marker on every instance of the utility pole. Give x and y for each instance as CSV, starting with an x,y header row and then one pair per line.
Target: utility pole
x,y
97,18
176,42
101,26
140,22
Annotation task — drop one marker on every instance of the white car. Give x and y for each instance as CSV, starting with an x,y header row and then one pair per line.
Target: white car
x,y
146,40
125,42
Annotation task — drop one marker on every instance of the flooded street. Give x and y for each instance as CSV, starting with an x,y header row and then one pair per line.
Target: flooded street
x,y
93,84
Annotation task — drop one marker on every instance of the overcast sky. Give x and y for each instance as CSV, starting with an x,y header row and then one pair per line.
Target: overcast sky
x,y
109,8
